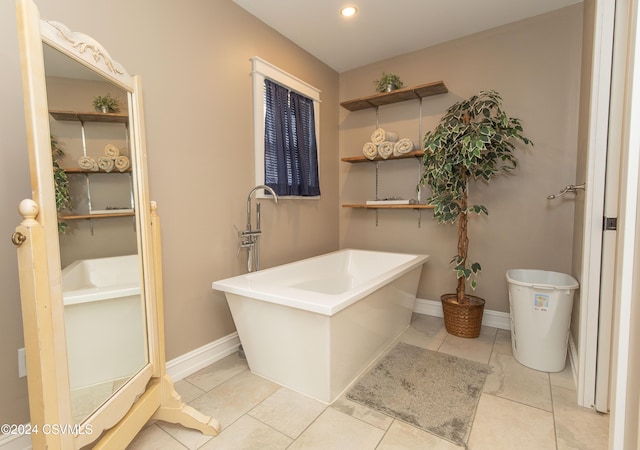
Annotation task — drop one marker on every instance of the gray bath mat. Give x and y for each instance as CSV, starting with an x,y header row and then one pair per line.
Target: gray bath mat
x,y
432,391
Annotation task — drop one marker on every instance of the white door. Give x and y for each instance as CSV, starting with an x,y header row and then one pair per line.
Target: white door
x,y
609,236
594,330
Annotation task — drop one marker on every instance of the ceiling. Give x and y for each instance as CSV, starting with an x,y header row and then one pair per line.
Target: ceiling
x,y
382,29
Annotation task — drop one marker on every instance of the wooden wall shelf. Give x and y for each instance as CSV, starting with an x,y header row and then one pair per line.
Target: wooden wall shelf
x,y
399,95
89,116
362,158
365,206
95,216
79,170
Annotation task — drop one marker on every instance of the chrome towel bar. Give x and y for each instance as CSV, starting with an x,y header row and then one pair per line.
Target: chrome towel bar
x,y
573,188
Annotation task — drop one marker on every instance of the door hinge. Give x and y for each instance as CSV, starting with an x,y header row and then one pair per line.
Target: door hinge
x,y
610,223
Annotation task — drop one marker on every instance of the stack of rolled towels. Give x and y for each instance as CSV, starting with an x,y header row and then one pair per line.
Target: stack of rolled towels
x,y
386,143
111,160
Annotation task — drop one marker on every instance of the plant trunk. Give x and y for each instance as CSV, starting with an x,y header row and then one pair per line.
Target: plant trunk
x,y
463,241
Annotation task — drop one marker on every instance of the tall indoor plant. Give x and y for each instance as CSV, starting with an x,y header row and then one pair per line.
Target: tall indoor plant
x,y
475,139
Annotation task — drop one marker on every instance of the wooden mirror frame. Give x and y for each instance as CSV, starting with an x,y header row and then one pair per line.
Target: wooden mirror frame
x,y
150,393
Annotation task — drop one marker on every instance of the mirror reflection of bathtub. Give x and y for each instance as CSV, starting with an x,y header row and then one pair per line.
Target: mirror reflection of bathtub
x,y
103,320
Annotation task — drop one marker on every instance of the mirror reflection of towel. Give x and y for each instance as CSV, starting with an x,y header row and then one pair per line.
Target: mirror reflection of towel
x,y
105,163
111,151
88,163
122,163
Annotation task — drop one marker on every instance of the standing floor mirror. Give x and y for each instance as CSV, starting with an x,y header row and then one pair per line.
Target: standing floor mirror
x,y
89,251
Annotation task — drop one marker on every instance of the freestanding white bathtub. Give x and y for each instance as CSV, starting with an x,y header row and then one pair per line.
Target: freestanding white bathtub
x,y
315,325
104,320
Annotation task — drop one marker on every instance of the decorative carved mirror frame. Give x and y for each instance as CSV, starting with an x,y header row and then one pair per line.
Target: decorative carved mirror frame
x,y
149,393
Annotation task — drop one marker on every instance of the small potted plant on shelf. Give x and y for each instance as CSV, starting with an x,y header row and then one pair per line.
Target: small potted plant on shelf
x,y
475,139
61,184
388,82
106,104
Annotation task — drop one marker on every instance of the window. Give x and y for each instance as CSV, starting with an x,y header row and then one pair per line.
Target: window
x,y
286,132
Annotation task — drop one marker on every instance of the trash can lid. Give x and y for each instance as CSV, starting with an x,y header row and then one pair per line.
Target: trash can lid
x,y
541,278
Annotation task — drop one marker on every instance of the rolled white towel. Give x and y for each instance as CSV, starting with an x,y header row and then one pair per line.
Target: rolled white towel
x,y
370,150
122,163
381,135
385,149
403,146
111,151
105,163
88,163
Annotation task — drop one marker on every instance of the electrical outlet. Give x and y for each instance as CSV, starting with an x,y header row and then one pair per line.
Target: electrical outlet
x,y
22,363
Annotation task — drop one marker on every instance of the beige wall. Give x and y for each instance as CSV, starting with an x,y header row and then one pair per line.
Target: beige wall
x,y
195,68
535,65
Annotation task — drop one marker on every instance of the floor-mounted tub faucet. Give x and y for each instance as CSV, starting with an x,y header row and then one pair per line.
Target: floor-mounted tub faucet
x,y
250,237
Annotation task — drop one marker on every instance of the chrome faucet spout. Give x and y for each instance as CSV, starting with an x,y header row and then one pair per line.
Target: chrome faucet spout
x,y
266,188
254,234
251,192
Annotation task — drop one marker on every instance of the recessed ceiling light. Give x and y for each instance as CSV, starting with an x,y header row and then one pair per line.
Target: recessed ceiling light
x,y
348,11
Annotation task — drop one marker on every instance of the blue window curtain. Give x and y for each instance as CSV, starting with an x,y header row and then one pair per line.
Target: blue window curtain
x,y
290,148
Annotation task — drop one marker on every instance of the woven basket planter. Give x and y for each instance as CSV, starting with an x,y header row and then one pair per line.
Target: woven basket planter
x,y
463,320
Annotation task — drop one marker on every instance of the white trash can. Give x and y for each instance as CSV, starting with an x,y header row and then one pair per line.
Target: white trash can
x,y
540,303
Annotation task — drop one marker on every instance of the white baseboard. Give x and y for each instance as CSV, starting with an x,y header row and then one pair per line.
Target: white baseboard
x,y
490,318
184,365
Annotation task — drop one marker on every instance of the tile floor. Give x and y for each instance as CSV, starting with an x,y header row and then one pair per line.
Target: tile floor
x,y
520,408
